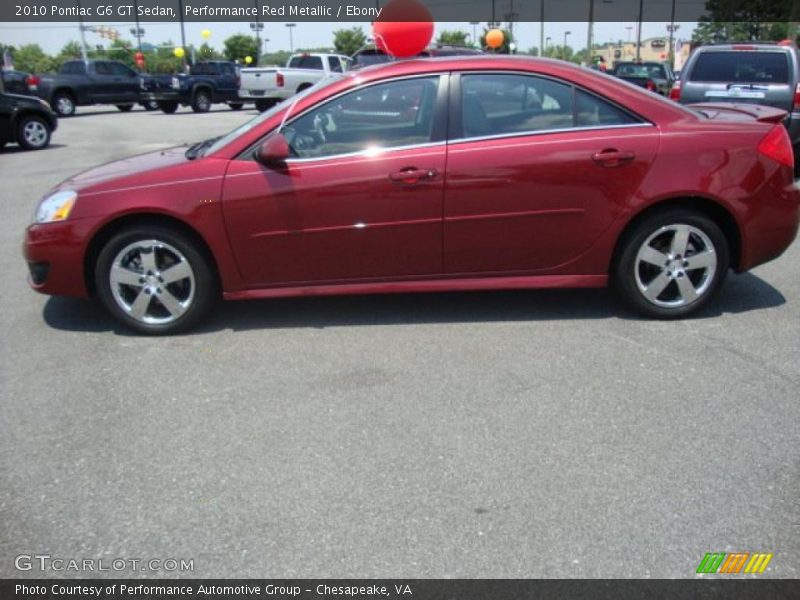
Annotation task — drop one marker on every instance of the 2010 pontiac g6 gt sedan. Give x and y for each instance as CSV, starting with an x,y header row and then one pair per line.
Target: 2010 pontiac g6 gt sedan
x,y
429,175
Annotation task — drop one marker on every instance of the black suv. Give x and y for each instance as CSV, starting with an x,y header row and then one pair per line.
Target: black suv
x,y
25,120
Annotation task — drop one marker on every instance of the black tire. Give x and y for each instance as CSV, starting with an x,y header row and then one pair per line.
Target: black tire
x,y
236,105
33,133
264,105
302,86
201,101
125,107
168,107
64,104
150,105
629,273
206,287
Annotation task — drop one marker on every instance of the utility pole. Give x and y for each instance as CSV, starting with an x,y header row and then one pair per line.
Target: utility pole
x,y
541,29
639,32
258,27
183,34
564,53
138,32
589,34
475,40
83,32
291,40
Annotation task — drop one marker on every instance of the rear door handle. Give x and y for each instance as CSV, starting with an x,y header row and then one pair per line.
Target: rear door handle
x,y
611,157
412,175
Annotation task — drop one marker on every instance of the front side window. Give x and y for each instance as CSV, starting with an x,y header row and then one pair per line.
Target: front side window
x,y
505,104
120,70
102,68
387,115
334,64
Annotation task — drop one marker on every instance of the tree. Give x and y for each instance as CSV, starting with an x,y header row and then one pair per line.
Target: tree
x,y
206,52
31,58
751,20
70,51
122,51
507,40
238,46
349,41
453,38
278,58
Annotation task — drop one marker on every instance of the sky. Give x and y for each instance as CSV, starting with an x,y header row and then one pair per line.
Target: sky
x,y
52,36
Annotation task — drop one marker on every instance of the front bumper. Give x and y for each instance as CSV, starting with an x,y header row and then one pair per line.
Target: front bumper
x,y
164,96
55,253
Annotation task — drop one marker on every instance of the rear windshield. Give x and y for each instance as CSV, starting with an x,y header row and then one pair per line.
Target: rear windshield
x,y
305,62
741,67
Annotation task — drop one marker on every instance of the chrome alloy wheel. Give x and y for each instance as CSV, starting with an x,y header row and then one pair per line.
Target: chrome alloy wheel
x,y
35,133
675,266
65,105
152,282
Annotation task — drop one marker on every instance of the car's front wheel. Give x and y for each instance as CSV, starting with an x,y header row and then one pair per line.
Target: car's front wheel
x,y
125,107
264,105
33,133
671,263
155,279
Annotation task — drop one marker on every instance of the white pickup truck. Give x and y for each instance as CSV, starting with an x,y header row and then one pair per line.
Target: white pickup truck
x,y
267,86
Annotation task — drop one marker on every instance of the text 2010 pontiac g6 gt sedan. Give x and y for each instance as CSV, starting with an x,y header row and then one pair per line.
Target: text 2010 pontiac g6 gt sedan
x,y
440,174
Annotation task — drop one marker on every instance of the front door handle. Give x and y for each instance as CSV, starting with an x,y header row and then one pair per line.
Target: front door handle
x,y
611,157
412,175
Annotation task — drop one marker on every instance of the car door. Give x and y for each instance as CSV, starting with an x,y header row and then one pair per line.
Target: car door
x,y
125,83
361,199
537,170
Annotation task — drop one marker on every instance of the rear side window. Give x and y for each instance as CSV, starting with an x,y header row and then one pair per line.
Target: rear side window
x,y
102,68
73,68
500,104
204,69
334,64
741,67
305,62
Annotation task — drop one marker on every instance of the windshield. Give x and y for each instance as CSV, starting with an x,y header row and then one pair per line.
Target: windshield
x,y
256,121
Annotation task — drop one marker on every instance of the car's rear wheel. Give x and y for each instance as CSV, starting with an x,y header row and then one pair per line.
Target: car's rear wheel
x,y
264,105
33,133
236,105
150,105
168,107
671,263
155,279
201,102
125,107
64,104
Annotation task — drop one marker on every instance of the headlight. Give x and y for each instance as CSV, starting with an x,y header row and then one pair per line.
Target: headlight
x,y
56,207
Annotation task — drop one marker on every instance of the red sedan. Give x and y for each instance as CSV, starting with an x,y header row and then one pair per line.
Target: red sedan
x,y
465,173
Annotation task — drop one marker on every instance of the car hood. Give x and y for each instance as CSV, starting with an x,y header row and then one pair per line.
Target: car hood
x,y
142,169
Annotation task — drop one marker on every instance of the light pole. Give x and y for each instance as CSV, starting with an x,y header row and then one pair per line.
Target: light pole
x,y
589,34
672,28
564,55
257,27
137,31
183,34
265,44
475,40
291,40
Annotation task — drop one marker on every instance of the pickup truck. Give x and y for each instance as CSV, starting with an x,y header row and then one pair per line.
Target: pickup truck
x,y
654,76
267,86
82,83
208,82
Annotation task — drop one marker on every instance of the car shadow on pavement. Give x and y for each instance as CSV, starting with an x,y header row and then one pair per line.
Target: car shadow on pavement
x,y
15,149
742,293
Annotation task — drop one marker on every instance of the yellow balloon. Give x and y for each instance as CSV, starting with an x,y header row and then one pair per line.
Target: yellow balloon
x,y
179,52
206,33
248,59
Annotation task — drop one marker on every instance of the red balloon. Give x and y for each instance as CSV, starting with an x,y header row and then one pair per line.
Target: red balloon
x,y
405,28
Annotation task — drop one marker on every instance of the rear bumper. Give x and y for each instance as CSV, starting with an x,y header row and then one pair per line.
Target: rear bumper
x,y
773,226
55,256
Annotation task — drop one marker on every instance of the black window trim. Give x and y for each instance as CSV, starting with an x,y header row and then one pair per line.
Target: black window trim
x,y
455,130
438,133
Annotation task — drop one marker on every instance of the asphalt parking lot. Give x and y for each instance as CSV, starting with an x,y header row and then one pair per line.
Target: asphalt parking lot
x,y
506,434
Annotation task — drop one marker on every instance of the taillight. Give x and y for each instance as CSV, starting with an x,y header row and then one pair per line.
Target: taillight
x,y
279,79
32,81
675,91
797,98
777,146
650,85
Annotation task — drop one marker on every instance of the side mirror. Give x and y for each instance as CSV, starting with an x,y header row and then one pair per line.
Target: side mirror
x,y
273,152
